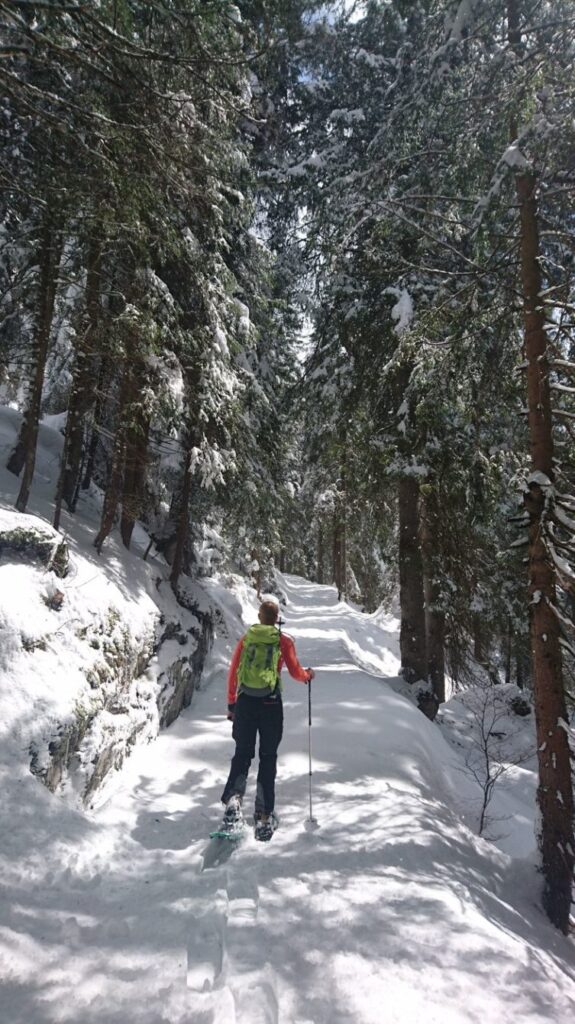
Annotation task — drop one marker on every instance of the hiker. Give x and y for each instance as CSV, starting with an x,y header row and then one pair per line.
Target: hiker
x,y
255,706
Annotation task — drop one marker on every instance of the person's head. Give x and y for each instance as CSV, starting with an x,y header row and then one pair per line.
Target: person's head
x,y
269,612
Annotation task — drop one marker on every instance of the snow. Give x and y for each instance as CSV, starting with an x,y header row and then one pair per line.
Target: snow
x,y
415,469
402,312
539,478
461,20
193,246
393,910
374,60
513,157
348,116
561,563
495,743
61,663
221,342
208,464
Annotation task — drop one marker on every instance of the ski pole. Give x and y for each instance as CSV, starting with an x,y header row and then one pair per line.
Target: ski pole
x,y
309,745
311,822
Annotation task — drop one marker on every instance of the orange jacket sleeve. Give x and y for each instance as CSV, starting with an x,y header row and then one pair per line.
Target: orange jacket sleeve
x,y
233,672
289,655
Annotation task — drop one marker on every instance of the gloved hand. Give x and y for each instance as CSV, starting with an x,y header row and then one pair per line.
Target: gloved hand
x,y
231,712
310,675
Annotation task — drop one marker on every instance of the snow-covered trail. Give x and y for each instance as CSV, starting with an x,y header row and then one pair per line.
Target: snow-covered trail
x,y
393,911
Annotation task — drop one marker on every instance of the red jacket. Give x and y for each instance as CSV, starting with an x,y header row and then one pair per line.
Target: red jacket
x,y
287,656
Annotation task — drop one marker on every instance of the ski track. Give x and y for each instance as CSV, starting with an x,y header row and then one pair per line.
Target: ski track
x,y
392,912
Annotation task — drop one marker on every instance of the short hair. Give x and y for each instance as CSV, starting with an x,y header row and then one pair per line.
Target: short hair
x,y
268,613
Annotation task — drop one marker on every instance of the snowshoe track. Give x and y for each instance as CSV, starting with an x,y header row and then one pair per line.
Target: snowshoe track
x,y
224,966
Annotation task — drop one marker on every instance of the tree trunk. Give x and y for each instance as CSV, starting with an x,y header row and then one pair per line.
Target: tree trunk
x,y
135,474
183,528
436,646
339,537
82,390
137,437
97,419
114,486
344,516
412,632
507,643
24,453
344,587
482,646
521,665
434,616
257,573
555,791
320,553
337,554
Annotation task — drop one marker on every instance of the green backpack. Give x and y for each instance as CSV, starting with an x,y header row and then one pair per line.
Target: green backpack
x,y
259,660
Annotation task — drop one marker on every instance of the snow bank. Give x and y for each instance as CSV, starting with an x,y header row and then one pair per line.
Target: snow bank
x,y
94,650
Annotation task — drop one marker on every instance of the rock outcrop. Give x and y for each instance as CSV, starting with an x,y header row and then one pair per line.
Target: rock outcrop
x,y
97,670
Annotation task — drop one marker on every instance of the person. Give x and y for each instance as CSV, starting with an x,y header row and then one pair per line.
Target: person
x,y
255,707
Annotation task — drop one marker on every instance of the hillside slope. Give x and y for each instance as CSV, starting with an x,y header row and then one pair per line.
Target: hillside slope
x,y
95,652
392,911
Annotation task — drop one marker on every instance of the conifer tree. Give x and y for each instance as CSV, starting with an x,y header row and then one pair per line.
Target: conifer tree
x,y
426,211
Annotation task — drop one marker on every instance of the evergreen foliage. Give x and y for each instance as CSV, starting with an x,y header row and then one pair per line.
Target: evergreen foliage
x,y
283,268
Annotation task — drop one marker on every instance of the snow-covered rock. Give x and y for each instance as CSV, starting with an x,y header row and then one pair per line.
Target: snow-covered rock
x,y
96,653
29,539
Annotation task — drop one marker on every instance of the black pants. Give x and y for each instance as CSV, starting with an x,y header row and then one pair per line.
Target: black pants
x,y
263,715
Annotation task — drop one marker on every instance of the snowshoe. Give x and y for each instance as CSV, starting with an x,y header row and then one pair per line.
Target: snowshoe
x,y
233,811
233,825
265,828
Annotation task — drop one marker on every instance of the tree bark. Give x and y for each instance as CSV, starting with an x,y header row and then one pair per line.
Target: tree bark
x,y
521,665
412,633
24,453
114,487
320,553
507,644
135,474
344,515
555,790
337,554
339,534
482,646
343,571
183,528
436,646
137,437
257,574
82,390
97,419
434,616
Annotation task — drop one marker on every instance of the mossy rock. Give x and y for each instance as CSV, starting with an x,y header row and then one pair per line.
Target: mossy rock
x,y
35,542
520,705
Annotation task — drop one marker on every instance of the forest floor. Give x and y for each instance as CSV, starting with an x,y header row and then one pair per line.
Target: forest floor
x,y
392,912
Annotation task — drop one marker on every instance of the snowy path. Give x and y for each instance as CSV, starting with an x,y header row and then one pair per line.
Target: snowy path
x,y
393,911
